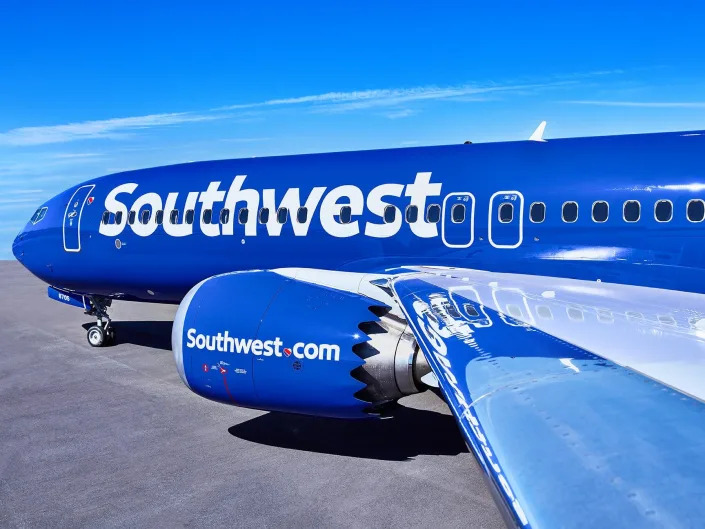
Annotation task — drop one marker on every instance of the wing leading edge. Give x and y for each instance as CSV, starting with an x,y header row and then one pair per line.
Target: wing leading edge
x,y
566,437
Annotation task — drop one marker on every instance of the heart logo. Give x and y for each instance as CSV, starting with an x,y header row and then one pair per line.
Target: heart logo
x,y
287,351
206,368
90,200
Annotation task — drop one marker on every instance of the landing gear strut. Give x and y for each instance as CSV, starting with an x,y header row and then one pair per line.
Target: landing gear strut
x,y
102,333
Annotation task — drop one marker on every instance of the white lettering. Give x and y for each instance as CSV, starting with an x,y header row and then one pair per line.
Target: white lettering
x,y
115,206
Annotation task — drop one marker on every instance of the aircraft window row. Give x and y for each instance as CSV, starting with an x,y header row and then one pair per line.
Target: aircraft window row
x,y
631,211
433,215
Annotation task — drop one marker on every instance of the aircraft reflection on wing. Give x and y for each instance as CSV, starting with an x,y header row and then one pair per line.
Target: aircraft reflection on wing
x,y
657,332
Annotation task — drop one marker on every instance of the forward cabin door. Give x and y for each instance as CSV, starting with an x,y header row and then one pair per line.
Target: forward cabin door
x,y
72,218
505,224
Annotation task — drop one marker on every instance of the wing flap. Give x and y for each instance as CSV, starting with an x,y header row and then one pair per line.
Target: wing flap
x,y
567,438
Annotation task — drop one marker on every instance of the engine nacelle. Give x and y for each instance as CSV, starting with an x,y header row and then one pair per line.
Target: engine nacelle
x,y
262,340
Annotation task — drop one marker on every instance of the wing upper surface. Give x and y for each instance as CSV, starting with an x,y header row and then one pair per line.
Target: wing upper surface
x,y
569,437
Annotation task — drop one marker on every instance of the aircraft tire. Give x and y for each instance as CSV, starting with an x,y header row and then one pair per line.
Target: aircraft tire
x,y
96,336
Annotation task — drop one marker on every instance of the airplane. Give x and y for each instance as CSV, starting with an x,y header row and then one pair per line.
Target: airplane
x,y
550,291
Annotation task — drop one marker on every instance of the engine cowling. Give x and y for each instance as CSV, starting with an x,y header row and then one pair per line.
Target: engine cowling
x,y
262,340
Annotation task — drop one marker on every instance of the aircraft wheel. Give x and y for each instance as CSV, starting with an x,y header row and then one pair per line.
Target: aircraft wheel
x,y
96,336
110,338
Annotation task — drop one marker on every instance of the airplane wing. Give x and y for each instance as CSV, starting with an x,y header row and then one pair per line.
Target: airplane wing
x,y
582,401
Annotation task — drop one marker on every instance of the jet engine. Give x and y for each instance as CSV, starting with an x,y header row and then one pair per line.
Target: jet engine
x,y
263,340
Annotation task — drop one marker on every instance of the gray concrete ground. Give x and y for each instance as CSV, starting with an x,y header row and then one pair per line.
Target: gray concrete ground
x,y
111,438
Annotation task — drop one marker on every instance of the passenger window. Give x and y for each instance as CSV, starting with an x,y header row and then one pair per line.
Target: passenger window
x,y
696,210
106,217
390,214
457,213
264,215
506,212
243,215
159,217
632,210
537,212
544,312
302,215
131,217
666,319
224,215
663,211
174,216
433,213
118,217
144,217
282,215
634,315
514,311
207,216
412,213
570,212
470,310
188,216
575,314
600,211
604,316
345,214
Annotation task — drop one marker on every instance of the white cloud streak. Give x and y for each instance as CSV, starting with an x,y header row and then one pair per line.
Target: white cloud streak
x,y
356,100
640,104
107,128
397,100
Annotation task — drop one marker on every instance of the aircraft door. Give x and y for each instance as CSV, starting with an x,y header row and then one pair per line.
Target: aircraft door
x,y
505,225
72,218
458,221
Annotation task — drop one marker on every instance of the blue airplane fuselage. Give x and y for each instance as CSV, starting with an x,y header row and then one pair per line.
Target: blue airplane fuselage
x,y
358,216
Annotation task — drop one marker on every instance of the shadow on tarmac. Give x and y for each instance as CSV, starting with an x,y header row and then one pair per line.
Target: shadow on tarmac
x,y
409,433
156,334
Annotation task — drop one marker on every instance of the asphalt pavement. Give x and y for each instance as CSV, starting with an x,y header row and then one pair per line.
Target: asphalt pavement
x,y
111,437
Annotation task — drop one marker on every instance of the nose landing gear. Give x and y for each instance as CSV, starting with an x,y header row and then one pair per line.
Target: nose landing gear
x,y
102,333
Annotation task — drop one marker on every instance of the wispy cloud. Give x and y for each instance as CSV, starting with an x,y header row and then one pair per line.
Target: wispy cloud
x,y
74,155
107,128
22,200
640,104
356,100
398,114
397,100
243,140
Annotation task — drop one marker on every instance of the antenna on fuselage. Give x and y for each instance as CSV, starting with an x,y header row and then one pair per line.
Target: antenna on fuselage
x,y
538,133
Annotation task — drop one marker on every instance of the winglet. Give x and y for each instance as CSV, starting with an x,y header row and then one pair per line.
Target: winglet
x,y
538,133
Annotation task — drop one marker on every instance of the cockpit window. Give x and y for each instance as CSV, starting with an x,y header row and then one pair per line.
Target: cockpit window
x,y
39,215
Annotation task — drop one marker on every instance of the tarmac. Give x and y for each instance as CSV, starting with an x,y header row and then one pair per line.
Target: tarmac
x,y
111,437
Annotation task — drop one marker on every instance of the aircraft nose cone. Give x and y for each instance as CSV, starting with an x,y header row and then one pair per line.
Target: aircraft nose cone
x,y
17,247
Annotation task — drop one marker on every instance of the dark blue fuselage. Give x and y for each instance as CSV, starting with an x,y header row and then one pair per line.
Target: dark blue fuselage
x,y
69,247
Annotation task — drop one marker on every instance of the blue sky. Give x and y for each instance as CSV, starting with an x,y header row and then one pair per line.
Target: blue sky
x,y
91,88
